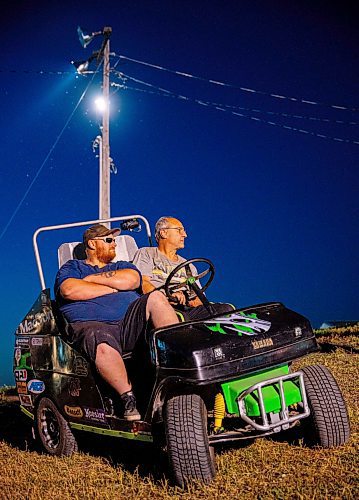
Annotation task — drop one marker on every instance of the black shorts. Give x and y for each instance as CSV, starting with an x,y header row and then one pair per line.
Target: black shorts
x,y
122,335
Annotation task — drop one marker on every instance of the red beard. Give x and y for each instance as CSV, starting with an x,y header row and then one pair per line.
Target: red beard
x,y
106,255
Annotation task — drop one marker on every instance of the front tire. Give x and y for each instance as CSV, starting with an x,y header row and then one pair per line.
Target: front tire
x,y
53,431
189,453
328,424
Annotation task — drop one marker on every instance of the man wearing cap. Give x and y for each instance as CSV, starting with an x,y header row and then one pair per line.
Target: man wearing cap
x,y
156,264
100,300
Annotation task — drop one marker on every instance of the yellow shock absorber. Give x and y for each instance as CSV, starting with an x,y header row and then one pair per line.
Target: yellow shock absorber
x,y
219,411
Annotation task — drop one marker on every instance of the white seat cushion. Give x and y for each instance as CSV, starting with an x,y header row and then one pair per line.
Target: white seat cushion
x,y
126,248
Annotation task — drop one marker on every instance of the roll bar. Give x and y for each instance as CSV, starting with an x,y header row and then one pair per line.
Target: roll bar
x,y
77,224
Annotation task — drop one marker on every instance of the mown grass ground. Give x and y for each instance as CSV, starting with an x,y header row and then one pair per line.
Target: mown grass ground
x,y
280,468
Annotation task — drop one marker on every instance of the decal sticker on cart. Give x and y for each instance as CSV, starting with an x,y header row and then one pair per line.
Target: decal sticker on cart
x,y
17,355
22,341
298,331
74,387
36,386
34,323
73,411
259,344
21,387
25,361
25,399
97,414
80,366
218,353
36,341
240,323
20,375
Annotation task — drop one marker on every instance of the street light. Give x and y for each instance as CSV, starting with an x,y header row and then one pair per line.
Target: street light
x,y
101,104
81,66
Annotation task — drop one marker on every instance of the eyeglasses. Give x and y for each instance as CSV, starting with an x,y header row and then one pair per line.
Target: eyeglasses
x,y
106,240
181,230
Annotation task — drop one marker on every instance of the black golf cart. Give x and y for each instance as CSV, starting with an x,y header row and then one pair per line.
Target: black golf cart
x,y
197,383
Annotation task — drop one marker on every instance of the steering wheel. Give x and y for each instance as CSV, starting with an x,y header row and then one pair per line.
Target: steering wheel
x,y
190,281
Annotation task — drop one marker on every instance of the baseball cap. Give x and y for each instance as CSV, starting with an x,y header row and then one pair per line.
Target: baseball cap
x,y
98,231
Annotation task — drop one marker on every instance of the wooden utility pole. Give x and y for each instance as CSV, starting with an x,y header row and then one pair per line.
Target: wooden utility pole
x,y
104,208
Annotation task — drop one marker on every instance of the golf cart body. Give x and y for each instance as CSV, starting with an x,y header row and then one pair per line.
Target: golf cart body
x,y
232,373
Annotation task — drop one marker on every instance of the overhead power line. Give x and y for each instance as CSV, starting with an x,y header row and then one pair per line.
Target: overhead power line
x,y
252,110
36,71
236,113
216,82
233,86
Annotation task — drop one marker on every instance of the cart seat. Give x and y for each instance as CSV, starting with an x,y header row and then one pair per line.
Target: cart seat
x,y
126,248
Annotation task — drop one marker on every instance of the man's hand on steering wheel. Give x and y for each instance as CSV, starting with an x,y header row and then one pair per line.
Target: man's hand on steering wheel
x,y
195,293
179,298
195,302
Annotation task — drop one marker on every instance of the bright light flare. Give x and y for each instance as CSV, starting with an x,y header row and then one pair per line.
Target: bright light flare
x,y
101,104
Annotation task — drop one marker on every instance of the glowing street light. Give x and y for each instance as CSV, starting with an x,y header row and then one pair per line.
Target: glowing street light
x,y
101,104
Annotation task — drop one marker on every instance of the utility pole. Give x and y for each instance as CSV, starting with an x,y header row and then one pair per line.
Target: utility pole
x,y
104,208
102,141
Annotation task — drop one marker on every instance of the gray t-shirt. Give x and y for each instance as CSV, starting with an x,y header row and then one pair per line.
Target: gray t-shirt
x,y
154,264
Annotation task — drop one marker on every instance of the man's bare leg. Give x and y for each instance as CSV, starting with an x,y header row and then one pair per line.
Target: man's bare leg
x,y
160,310
111,367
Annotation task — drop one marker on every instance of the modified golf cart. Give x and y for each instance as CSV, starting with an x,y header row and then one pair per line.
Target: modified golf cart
x,y
197,383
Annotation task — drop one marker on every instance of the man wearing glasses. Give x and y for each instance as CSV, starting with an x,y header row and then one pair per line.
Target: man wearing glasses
x,y
156,263
101,302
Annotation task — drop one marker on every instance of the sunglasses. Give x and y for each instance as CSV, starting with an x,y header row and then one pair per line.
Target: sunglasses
x,y
106,240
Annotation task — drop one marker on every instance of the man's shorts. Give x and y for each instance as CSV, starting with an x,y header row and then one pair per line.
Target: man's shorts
x,y
121,335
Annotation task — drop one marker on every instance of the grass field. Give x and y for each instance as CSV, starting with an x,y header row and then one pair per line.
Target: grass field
x,y
265,469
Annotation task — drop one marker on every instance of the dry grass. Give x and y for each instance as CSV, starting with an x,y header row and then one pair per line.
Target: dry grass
x,y
265,469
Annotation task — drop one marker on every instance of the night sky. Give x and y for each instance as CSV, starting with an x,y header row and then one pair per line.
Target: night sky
x,y
269,197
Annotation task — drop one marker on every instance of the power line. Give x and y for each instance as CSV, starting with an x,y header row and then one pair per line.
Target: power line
x,y
36,71
180,73
220,108
233,86
188,75
164,92
253,110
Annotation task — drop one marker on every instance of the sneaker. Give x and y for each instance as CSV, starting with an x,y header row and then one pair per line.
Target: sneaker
x,y
129,404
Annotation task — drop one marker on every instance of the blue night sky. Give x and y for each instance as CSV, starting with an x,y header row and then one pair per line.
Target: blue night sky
x,y
273,206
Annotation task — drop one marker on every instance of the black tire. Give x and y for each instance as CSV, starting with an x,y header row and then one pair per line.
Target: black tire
x,y
328,423
53,431
189,453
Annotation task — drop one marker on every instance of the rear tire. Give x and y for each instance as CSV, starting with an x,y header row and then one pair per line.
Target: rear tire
x,y
328,424
189,453
53,431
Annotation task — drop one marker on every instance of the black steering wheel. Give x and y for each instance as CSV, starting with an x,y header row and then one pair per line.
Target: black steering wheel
x,y
190,281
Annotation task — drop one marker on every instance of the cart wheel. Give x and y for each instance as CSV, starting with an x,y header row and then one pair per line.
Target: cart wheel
x,y
53,431
189,453
328,424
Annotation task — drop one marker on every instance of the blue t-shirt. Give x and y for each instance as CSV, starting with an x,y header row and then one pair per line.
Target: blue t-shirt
x,y
111,307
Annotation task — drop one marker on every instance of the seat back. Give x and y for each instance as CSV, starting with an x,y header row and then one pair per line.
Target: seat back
x,y
126,248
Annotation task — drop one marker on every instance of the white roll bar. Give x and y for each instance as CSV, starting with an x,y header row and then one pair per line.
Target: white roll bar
x,y
77,224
